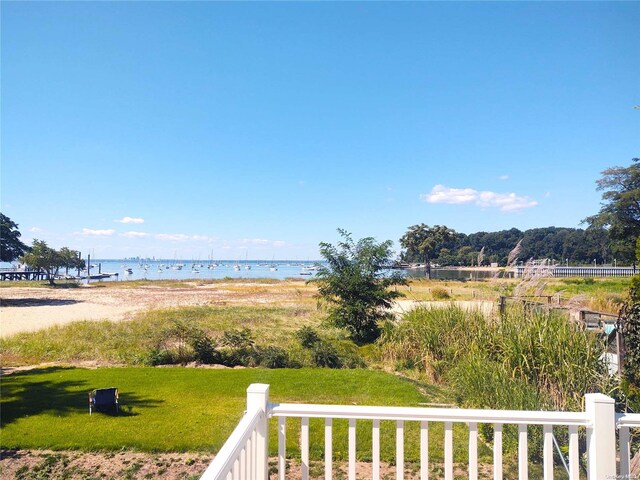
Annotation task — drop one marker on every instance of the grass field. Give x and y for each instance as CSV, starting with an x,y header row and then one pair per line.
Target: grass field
x,y
178,409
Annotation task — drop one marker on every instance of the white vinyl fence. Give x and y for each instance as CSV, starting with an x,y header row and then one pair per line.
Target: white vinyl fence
x,y
245,454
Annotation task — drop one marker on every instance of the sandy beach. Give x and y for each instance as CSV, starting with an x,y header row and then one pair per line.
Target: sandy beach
x,y
24,309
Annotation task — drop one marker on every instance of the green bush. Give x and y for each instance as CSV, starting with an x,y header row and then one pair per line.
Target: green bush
x,y
440,293
274,357
159,356
326,355
204,349
307,336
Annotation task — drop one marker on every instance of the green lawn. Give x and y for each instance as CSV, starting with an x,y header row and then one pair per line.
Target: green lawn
x,y
183,409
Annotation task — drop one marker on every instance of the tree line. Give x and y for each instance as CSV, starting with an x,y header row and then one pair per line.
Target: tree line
x,y
563,245
609,237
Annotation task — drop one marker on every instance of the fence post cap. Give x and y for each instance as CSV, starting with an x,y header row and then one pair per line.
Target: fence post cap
x,y
598,398
258,388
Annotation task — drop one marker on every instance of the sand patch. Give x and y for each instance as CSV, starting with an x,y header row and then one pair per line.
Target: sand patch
x,y
25,309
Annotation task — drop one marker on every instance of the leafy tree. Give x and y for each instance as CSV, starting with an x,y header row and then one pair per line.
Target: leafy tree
x,y
71,259
41,257
354,285
11,247
620,211
423,241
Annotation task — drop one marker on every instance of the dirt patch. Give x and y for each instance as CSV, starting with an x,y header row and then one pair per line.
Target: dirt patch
x,y
37,464
70,465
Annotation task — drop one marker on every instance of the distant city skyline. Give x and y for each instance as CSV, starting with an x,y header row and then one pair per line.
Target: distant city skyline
x,y
255,130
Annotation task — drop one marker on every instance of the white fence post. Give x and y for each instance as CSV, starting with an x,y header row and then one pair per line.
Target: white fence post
x,y
601,436
258,398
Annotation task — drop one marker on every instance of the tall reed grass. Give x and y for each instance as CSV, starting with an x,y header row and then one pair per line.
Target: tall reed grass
x,y
521,360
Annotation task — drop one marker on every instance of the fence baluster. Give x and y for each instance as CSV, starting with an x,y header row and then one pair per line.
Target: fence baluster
x,y
352,449
523,453
424,450
328,448
574,462
400,450
497,451
448,451
304,448
375,446
547,453
473,451
282,448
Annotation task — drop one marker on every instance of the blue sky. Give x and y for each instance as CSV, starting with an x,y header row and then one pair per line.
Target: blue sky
x,y
162,129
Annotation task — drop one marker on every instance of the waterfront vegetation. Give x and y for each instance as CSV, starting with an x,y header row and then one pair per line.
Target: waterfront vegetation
x,y
274,323
524,360
438,355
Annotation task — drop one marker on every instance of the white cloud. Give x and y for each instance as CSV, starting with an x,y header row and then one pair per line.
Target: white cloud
x,y
181,237
506,202
254,241
97,233
442,194
173,237
134,234
201,238
130,220
504,177
35,230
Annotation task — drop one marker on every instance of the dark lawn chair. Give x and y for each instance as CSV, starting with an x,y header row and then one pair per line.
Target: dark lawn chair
x,y
103,400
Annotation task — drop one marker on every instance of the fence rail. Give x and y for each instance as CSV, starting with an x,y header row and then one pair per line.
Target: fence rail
x,y
244,456
559,271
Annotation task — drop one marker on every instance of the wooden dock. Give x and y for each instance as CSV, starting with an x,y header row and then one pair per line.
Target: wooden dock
x,y
22,275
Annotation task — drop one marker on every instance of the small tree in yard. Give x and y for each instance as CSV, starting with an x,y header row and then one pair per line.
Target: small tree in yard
x,y
354,285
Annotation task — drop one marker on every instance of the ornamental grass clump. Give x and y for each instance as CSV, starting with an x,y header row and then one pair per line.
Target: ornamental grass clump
x,y
520,360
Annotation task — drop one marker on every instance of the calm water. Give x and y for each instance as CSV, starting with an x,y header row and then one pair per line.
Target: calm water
x,y
169,270
278,269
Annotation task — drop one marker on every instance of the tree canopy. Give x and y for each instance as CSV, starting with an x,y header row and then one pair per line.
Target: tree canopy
x,y
11,247
620,210
572,245
354,285
424,243
44,258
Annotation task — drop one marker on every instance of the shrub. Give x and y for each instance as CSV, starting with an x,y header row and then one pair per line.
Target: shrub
x,y
355,287
326,355
159,356
307,336
439,293
204,348
237,338
274,357
239,348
